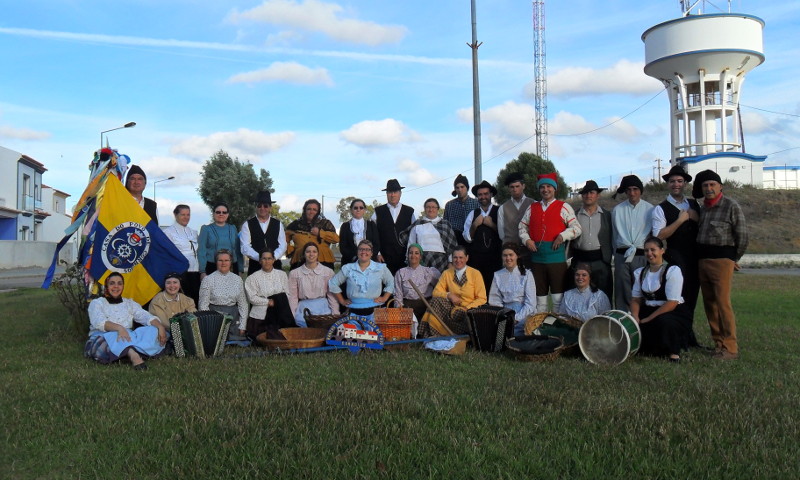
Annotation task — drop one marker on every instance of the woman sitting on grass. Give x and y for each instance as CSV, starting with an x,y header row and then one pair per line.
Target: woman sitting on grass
x,y
585,301
513,287
111,320
266,290
658,306
223,292
424,277
170,301
308,287
369,283
459,288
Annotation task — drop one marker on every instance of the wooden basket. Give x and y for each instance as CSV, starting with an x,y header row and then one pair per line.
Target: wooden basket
x,y
323,321
296,337
394,322
534,357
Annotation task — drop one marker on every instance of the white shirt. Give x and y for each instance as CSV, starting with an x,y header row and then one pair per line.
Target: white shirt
x,y
659,220
250,252
513,287
652,282
470,216
632,225
260,286
185,240
224,290
427,237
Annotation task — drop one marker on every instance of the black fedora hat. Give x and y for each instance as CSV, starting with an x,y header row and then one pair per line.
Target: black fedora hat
x,y
591,185
264,197
392,186
630,181
484,184
677,170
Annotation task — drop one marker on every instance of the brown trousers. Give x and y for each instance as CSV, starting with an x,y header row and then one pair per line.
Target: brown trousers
x,y
716,275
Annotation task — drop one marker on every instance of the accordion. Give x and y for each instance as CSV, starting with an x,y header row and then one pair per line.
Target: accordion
x,y
200,334
490,326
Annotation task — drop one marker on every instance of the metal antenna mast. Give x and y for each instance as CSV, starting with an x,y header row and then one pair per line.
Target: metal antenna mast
x,y
540,79
476,98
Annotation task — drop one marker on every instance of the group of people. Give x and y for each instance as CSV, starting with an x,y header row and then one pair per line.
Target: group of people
x,y
513,255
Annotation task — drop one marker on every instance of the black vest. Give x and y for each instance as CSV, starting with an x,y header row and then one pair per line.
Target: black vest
x,y
389,232
486,240
261,241
681,245
660,294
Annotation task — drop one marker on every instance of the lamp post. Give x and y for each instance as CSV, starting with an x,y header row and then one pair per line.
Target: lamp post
x,y
127,125
159,181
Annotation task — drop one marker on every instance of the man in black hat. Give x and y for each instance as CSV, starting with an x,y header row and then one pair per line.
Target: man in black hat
x,y
513,209
675,220
480,231
392,218
594,245
721,241
457,209
135,182
262,232
632,220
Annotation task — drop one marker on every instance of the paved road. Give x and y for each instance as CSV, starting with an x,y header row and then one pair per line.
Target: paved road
x,y
24,277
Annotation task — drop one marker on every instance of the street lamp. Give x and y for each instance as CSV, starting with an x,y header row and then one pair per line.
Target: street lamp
x,y
127,125
159,181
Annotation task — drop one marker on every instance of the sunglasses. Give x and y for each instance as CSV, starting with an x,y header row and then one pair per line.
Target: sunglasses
x,y
359,208
220,212
264,205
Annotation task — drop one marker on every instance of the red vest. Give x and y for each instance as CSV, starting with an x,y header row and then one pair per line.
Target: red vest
x,y
544,226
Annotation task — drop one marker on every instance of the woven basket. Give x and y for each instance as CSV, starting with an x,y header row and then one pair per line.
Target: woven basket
x,y
394,322
296,337
323,321
537,319
523,356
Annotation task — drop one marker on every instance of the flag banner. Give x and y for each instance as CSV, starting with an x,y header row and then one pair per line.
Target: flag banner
x,y
128,241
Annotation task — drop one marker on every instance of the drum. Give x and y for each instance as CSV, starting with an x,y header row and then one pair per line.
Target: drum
x,y
490,326
199,334
610,338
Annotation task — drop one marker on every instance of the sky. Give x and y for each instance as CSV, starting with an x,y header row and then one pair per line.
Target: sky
x,y
335,97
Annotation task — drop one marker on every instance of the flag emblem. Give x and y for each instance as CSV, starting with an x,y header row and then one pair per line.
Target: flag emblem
x,y
126,246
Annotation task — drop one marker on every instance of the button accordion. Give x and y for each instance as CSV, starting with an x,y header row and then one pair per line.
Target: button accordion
x,y
200,334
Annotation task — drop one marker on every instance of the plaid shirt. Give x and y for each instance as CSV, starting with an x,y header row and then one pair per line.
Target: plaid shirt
x,y
456,211
723,226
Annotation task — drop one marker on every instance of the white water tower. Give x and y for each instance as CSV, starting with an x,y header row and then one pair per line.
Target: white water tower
x,y
702,60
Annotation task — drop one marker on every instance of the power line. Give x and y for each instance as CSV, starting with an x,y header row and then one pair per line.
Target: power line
x,y
771,111
611,123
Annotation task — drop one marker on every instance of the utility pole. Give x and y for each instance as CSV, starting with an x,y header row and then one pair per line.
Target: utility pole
x,y
476,98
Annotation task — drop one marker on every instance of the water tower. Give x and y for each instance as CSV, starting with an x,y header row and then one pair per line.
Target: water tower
x,y
702,60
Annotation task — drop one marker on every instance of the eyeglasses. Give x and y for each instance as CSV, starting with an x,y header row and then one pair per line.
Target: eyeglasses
x,y
364,249
220,212
359,208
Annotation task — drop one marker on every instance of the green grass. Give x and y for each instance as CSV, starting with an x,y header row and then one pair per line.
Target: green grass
x,y
403,415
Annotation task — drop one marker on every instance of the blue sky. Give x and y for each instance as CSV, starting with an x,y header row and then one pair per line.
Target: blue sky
x,y
334,97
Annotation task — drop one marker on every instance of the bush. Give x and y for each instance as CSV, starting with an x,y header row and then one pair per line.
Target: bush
x,y
73,293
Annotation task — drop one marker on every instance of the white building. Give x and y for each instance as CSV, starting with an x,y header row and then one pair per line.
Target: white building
x,y
782,176
702,60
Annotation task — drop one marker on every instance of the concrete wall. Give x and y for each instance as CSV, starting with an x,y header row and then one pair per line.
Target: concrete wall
x,y
18,254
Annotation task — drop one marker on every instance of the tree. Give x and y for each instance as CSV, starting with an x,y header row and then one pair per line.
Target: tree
x,y
284,217
530,165
343,208
226,179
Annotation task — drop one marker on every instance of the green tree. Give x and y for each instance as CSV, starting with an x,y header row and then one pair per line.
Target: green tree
x,y
343,208
226,179
530,165
284,217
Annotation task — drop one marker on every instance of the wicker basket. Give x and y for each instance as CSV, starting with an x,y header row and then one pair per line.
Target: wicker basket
x,y
394,322
323,321
524,356
296,337
537,319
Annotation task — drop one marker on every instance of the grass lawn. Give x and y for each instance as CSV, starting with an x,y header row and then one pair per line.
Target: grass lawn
x,y
408,414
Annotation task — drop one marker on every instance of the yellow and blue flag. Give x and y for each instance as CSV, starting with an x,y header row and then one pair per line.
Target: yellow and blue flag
x,y
128,241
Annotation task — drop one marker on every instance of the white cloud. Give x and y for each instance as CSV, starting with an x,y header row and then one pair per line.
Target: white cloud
x,y
623,77
22,133
569,124
754,123
186,172
566,123
290,203
283,38
326,18
415,174
288,72
376,133
246,144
